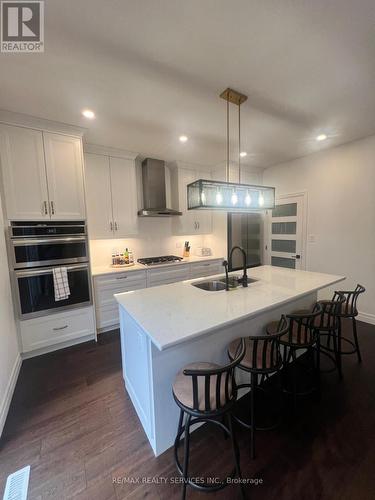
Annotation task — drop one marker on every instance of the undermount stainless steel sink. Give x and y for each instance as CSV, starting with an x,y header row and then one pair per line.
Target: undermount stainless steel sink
x,y
220,283
210,286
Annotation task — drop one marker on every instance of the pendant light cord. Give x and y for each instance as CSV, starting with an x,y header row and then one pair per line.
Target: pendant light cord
x,y
239,143
227,176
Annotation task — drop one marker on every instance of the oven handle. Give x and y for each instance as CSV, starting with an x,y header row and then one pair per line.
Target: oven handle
x,y
40,272
43,241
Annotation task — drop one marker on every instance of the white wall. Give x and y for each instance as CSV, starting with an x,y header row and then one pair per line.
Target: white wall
x,y
9,353
341,211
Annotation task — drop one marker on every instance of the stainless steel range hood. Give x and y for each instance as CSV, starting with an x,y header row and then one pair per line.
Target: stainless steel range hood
x,y
156,190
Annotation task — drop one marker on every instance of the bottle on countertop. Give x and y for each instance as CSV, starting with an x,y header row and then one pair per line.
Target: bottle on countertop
x,y
131,257
126,256
113,257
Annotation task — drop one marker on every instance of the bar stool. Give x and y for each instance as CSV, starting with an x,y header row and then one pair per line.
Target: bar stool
x,y
349,311
302,335
206,392
262,358
328,325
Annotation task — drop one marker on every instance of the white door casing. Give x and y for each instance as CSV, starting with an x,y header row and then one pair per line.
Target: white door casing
x,y
286,230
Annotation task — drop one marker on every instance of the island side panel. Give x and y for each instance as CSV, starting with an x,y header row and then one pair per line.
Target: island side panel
x,y
137,371
211,347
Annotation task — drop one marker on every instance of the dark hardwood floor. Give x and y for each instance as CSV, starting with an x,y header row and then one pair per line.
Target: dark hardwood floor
x,y
73,422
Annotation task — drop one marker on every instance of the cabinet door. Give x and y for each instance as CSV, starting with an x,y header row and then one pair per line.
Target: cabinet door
x,y
186,223
24,174
98,196
65,176
124,197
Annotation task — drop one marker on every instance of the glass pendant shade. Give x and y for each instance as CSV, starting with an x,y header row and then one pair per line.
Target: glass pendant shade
x,y
229,196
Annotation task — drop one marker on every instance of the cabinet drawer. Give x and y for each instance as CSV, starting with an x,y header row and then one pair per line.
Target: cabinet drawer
x,y
116,278
105,294
107,316
206,268
42,332
168,275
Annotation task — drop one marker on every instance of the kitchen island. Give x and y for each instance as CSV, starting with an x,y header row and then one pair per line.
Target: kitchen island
x,y
166,327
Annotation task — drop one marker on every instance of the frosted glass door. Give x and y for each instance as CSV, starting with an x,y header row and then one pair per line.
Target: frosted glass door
x,y
285,241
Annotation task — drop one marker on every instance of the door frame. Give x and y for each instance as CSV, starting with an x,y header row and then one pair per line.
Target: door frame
x,y
267,229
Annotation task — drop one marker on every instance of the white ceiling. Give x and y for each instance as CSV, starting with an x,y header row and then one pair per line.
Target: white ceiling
x,y
153,69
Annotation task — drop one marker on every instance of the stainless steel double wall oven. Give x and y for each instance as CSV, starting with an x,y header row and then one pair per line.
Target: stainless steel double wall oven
x,y
35,248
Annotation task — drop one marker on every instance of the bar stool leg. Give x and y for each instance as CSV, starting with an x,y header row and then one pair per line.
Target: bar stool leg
x,y
236,455
338,347
356,340
186,455
252,416
294,376
318,364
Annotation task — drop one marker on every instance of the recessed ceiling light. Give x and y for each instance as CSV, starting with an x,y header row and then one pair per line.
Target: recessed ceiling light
x,y
243,154
183,138
87,113
321,137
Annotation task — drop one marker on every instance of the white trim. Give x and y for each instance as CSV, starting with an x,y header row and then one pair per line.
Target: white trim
x,y
36,123
366,318
59,346
5,404
109,151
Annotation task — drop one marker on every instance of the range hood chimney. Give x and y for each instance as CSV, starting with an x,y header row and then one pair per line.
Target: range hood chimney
x,y
156,189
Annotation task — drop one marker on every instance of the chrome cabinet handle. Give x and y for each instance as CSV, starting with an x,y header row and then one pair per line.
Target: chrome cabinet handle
x,y
116,226
60,328
111,225
52,208
44,208
121,278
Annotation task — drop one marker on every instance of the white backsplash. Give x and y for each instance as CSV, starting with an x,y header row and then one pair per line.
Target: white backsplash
x,y
155,238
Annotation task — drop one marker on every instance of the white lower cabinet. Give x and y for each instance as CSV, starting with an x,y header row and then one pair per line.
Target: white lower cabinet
x,y
48,331
164,276
206,268
106,286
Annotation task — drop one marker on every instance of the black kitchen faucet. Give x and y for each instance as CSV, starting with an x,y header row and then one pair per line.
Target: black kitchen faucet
x,y
244,279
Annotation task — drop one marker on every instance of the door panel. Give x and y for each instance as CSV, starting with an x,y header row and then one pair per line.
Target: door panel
x,y
64,176
24,173
124,197
98,196
286,233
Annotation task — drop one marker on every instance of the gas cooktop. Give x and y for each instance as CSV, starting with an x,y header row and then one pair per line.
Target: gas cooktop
x,y
164,259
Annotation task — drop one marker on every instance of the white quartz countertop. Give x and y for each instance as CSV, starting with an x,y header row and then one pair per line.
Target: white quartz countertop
x,y
175,313
99,270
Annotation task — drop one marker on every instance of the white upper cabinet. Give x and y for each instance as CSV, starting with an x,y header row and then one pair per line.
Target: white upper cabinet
x,y
98,196
42,174
24,173
65,176
111,193
124,196
191,221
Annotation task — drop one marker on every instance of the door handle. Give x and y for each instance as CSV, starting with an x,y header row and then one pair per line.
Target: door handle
x,y
52,208
111,225
296,256
45,208
116,226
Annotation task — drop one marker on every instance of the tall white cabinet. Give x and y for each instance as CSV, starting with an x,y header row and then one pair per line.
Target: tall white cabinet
x,y
111,194
42,174
191,221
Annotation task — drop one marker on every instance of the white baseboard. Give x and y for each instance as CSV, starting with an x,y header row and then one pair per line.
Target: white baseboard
x,y
5,403
366,317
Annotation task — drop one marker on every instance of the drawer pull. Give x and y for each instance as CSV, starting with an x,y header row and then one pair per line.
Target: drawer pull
x,y
60,328
121,278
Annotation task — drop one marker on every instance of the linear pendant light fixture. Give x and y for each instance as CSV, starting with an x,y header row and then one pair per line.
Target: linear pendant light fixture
x,y
230,196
